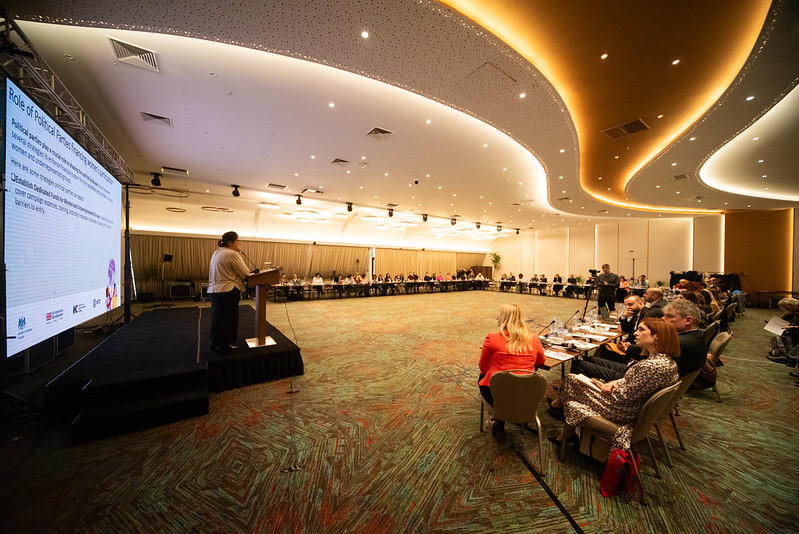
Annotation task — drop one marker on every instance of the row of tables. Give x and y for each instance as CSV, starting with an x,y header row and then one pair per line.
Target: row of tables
x,y
304,289
578,342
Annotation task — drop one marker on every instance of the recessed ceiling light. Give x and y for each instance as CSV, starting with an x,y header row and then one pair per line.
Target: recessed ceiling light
x,y
365,34
363,157
657,187
485,145
603,56
522,95
615,157
660,116
439,187
349,172
313,157
600,177
760,161
563,191
748,205
692,139
674,164
678,192
520,183
675,62
560,177
331,105
562,150
765,175
385,174
765,188
755,139
428,121
748,98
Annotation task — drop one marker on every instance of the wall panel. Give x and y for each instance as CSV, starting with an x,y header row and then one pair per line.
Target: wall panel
x,y
607,246
551,256
581,251
670,247
709,243
633,245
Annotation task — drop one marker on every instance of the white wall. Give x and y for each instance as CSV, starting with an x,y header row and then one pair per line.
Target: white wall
x,y
607,246
517,251
670,247
551,253
581,250
633,245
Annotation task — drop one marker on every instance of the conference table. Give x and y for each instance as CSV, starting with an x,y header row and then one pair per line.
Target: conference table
x,y
577,343
375,288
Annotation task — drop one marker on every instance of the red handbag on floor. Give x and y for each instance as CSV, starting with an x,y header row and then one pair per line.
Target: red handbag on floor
x,y
619,475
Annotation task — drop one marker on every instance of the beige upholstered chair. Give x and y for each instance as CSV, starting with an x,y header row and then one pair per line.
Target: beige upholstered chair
x,y
684,383
517,394
656,406
710,331
717,347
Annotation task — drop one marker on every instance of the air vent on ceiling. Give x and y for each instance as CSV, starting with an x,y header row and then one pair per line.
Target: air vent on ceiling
x,y
627,128
341,162
390,205
363,165
153,117
381,134
564,198
174,170
601,211
134,55
516,204
278,187
681,177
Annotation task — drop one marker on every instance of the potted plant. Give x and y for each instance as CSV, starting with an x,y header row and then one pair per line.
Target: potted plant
x,y
496,260
146,277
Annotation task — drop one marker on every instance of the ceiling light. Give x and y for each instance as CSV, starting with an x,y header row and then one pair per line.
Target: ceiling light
x,y
748,98
156,181
331,105
755,139
485,145
365,34
235,191
428,121
349,206
603,56
692,139
299,200
760,161
562,150
269,205
675,62
522,95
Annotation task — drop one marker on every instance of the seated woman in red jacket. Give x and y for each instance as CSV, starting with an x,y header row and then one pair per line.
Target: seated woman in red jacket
x,y
513,347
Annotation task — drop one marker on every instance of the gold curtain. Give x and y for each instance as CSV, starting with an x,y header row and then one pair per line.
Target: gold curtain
x,y
396,261
467,260
438,262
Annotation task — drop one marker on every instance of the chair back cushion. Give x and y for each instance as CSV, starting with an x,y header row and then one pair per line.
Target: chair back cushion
x,y
656,406
517,394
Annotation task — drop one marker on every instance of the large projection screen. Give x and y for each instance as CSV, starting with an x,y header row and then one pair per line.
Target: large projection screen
x,y
62,227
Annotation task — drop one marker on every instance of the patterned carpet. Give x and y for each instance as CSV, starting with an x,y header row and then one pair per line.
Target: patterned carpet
x,y
382,435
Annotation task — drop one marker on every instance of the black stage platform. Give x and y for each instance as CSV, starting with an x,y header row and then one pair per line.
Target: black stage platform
x,y
159,368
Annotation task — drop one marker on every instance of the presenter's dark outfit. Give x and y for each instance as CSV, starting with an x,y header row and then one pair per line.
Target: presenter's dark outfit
x,y
225,284
608,284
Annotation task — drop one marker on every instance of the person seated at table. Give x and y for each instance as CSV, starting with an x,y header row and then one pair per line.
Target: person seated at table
x,y
318,283
699,300
654,302
557,284
620,401
572,289
623,290
640,285
541,286
399,283
783,347
521,285
532,283
296,287
512,347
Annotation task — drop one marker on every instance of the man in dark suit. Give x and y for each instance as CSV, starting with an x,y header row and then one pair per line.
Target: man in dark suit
x,y
654,302
607,284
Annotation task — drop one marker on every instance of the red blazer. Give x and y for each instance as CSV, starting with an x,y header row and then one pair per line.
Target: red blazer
x,y
495,356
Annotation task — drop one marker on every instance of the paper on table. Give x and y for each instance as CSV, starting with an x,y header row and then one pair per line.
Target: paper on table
x,y
776,325
563,356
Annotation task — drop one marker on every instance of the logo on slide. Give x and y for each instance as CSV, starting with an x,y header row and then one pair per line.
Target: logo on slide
x,y
21,323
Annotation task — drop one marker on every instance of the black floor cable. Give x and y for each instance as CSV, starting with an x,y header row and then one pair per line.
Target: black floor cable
x,y
540,480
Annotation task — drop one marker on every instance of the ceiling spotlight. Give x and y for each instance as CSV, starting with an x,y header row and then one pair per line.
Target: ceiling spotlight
x,y
156,181
517,231
499,228
390,212
477,224
452,221
349,206
236,191
299,200
424,217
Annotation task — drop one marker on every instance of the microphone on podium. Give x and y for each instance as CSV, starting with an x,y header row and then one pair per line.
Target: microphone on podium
x,y
254,268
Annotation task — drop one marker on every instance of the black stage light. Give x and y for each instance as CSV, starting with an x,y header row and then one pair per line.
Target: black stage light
x,y
299,200
236,191
499,228
156,181
390,212
424,217
517,231
349,206
452,221
477,225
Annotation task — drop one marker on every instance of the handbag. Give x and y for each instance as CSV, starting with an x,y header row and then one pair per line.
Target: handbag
x,y
619,475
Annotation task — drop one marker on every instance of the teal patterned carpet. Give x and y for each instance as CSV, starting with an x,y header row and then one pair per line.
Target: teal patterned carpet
x,y
381,435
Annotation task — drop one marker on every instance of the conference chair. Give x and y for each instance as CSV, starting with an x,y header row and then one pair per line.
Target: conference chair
x,y
647,417
710,331
517,394
684,383
716,349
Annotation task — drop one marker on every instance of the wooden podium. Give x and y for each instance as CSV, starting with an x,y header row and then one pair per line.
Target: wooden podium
x,y
260,281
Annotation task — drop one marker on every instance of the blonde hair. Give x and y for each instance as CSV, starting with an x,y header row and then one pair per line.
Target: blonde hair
x,y
512,325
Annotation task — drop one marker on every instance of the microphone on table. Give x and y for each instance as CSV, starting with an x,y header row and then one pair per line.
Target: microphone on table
x,y
254,268
592,309
547,326
570,318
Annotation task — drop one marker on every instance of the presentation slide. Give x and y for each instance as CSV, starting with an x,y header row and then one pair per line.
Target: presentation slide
x,y
62,227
